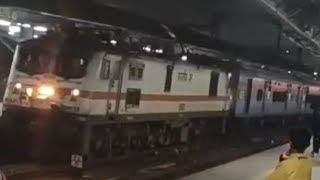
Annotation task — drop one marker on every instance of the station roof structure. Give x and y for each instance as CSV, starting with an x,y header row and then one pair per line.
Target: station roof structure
x,y
254,23
297,20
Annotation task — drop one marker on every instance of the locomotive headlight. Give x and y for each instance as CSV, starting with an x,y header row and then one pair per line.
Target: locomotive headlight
x,y
18,86
75,92
45,92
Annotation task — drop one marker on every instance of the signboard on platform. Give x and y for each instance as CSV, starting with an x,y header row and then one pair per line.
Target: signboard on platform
x,y
77,161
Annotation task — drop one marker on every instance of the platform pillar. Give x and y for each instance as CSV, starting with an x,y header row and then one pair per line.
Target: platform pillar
x,y
262,123
283,121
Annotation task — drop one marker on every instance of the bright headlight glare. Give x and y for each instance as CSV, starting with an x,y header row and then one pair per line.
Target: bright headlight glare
x,y
29,92
75,92
18,85
46,91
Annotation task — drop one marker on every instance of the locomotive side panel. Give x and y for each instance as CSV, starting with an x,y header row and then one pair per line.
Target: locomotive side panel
x,y
189,91
98,89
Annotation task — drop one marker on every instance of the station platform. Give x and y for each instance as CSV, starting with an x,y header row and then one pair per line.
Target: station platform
x,y
254,167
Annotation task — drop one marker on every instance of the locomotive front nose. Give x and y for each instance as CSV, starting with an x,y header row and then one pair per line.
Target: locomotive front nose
x,y
40,92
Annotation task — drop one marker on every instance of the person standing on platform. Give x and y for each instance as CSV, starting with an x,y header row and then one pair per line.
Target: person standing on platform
x,y
2,176
295,164
315,127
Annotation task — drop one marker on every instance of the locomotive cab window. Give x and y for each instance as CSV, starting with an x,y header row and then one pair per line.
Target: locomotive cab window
x,y
259,95
133,98
168,82
105,69
136,71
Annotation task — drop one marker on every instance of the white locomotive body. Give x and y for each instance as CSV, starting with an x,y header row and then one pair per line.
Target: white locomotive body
x,y
195,91
92,94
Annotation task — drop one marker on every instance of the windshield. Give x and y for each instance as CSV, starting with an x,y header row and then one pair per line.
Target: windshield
x,y
67,61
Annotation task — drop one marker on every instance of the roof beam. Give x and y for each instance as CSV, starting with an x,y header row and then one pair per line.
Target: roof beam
x,y
283,17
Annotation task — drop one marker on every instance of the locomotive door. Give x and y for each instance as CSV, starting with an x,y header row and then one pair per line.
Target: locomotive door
x,y
241,96
255,104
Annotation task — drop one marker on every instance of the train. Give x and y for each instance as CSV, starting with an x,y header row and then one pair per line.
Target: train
x,y
102,97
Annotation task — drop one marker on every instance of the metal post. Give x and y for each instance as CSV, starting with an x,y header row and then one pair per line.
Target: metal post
x,y
262,123
300,54
129,143
224,126
86,138
122,66
12,70
283,121
279,38
110,154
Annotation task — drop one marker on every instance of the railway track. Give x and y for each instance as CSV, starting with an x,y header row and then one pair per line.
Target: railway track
x,y
168,164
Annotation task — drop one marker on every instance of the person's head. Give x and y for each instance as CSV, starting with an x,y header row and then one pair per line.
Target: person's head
x,y
299,139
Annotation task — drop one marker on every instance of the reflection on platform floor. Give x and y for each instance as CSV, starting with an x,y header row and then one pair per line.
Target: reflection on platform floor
x,y
255,167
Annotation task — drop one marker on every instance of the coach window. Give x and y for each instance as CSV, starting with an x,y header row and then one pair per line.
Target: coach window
x,y
133,98
105,69
279,96
259,95
136,71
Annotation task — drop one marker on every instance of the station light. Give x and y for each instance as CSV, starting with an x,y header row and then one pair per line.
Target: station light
x,y
263,66
225,60
315,73
289,72
147,48
40,28
19,24
35,36
11,33
26,25
4,22
287,51
113,42
159,51
184,57
15,29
